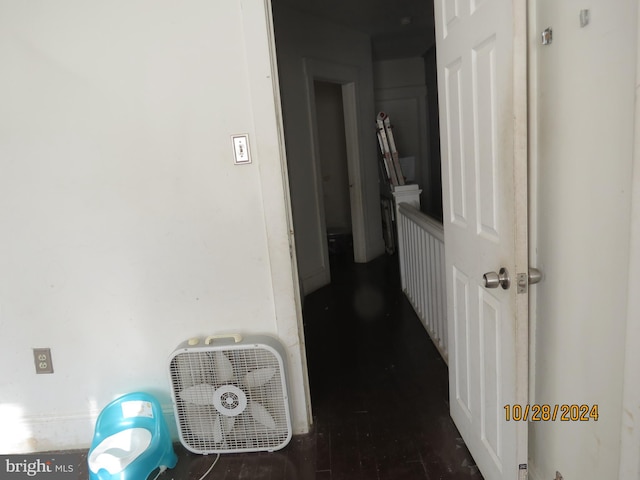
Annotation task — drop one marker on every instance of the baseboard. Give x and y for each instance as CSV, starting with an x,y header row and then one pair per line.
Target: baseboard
x,y
44,433
316,280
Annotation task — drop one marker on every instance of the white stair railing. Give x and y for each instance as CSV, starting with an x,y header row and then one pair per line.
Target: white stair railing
x,y
422,271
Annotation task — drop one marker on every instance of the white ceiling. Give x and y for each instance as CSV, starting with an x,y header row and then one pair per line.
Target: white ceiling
x,y
382,19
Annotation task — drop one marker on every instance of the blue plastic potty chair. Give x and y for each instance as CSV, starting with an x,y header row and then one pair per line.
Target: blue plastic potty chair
x,y
131,440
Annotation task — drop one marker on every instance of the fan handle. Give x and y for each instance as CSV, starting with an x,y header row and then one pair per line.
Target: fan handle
x,y
236,336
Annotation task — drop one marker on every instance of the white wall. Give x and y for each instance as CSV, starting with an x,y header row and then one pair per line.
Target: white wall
x,y
303,40
404,72
401,92
126,226
585,123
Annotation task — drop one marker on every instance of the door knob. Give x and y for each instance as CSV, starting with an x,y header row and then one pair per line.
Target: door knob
x,y
535,276
493,279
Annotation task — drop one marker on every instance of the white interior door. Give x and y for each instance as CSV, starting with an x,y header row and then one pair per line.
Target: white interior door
x,y
481,56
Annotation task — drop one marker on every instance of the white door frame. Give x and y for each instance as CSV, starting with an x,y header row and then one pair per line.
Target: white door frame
x,y
630,422
347,77
269,137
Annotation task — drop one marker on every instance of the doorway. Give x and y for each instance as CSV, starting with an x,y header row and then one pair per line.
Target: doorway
x,y
339,83
334,173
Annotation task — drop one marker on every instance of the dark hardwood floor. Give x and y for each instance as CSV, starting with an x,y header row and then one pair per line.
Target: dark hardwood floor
x,y
379,387
379,393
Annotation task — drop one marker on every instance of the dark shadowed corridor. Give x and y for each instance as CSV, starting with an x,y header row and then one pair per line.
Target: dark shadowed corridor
x,y
378,385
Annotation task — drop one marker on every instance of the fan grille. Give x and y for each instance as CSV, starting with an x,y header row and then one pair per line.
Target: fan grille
x,y
207,429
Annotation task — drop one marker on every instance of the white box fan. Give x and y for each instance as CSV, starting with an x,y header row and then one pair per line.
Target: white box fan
x,y
230,395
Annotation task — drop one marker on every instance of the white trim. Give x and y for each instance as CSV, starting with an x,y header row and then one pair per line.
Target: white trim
x,y
269,155
358,212
521,211
630,422
322,275
41,433
532,95
74,431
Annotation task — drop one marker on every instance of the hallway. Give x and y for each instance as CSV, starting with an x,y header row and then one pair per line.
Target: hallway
x,y
378,385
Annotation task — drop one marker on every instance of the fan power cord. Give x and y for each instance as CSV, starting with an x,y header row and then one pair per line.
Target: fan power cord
x,y
211,467
162,470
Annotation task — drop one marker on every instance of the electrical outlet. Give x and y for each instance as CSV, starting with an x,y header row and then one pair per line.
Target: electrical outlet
x,y
42,359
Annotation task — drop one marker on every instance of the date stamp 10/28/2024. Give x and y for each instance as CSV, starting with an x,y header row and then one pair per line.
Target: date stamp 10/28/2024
x,y
551,413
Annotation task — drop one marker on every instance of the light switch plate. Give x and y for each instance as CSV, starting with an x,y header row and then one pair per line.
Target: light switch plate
x,y
241,154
